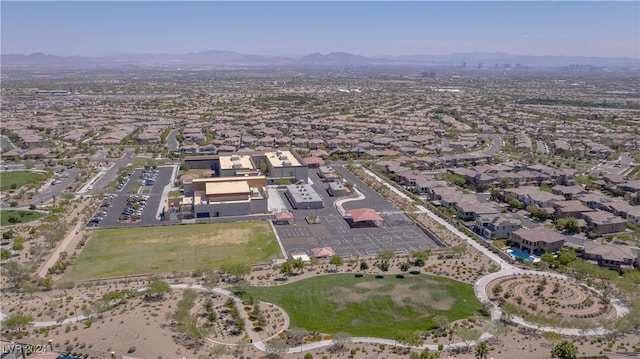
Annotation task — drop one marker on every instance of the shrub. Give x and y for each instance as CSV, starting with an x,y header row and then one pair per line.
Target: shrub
x,y
131,349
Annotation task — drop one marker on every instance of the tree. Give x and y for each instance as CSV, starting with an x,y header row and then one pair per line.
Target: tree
x,y
409,338
384,266
498,330
459,250
298,264
336,261
157,288
211,279
537,212
548,258
218,350
236,270
16,322
504,182
340,339
426,354
5,254
286,268
441,322
468,335
565,350
295,336
276,348
364,265
568,224
15,273
566,257
482,351
405,266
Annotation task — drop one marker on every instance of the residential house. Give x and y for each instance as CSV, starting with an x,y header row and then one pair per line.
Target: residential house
x,y
569,192
611,256
573,209
595,200
469,208
604,222
537,240
496,226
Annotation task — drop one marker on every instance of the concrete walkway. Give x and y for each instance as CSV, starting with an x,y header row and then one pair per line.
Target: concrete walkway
x,y
165,192
53,258
338,203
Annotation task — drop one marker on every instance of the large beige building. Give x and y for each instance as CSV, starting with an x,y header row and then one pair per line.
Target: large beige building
x,y
225,196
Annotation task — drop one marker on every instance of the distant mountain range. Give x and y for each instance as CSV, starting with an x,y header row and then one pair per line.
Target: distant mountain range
x,y
334,59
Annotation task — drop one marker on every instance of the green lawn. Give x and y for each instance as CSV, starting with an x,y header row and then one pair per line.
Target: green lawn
x,y
370,306
20,216
20,178
165,249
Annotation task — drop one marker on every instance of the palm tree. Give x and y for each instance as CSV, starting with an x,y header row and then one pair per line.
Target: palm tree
x,y
565,350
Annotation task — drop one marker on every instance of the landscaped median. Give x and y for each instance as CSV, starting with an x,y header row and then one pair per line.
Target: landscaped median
x,y
168,249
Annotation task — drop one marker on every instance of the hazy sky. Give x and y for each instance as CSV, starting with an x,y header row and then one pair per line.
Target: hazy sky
x,y
295,28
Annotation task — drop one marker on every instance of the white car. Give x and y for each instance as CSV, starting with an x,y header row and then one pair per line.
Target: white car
x,y
90,188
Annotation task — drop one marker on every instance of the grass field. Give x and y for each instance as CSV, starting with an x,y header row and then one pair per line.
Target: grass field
x,y
21,216
20,178
370,306
165,249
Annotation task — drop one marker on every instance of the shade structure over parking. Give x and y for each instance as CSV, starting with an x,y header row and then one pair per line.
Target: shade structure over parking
x,y
364,215
322,252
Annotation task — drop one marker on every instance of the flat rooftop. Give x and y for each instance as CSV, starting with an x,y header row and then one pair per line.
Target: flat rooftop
x,y
227,188
236,162
303,193
282,158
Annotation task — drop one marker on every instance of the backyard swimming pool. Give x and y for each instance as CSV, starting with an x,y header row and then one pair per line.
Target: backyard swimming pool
x,y
516,253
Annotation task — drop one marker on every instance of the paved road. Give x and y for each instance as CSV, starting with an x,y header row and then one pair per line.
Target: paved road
x,y
6,144
617,167
495,146
112,173
542,147
172,143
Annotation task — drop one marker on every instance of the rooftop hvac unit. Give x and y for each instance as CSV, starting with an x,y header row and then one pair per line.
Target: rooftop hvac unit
x,y
278,153
235,157
236,164
286,163
283,157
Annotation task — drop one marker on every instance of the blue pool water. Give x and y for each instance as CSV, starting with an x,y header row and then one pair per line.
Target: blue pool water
x,y
516,253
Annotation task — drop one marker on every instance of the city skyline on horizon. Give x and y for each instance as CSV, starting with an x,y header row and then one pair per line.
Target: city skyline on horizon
x,y
600,29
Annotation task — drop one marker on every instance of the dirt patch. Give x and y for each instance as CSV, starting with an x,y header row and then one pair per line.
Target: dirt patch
x,y
418,297
229,236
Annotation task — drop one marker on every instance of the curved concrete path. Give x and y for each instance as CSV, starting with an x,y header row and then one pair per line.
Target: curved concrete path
x,y
338,203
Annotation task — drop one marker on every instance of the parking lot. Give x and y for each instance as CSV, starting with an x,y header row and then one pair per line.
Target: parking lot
x,y
123,201
398,233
